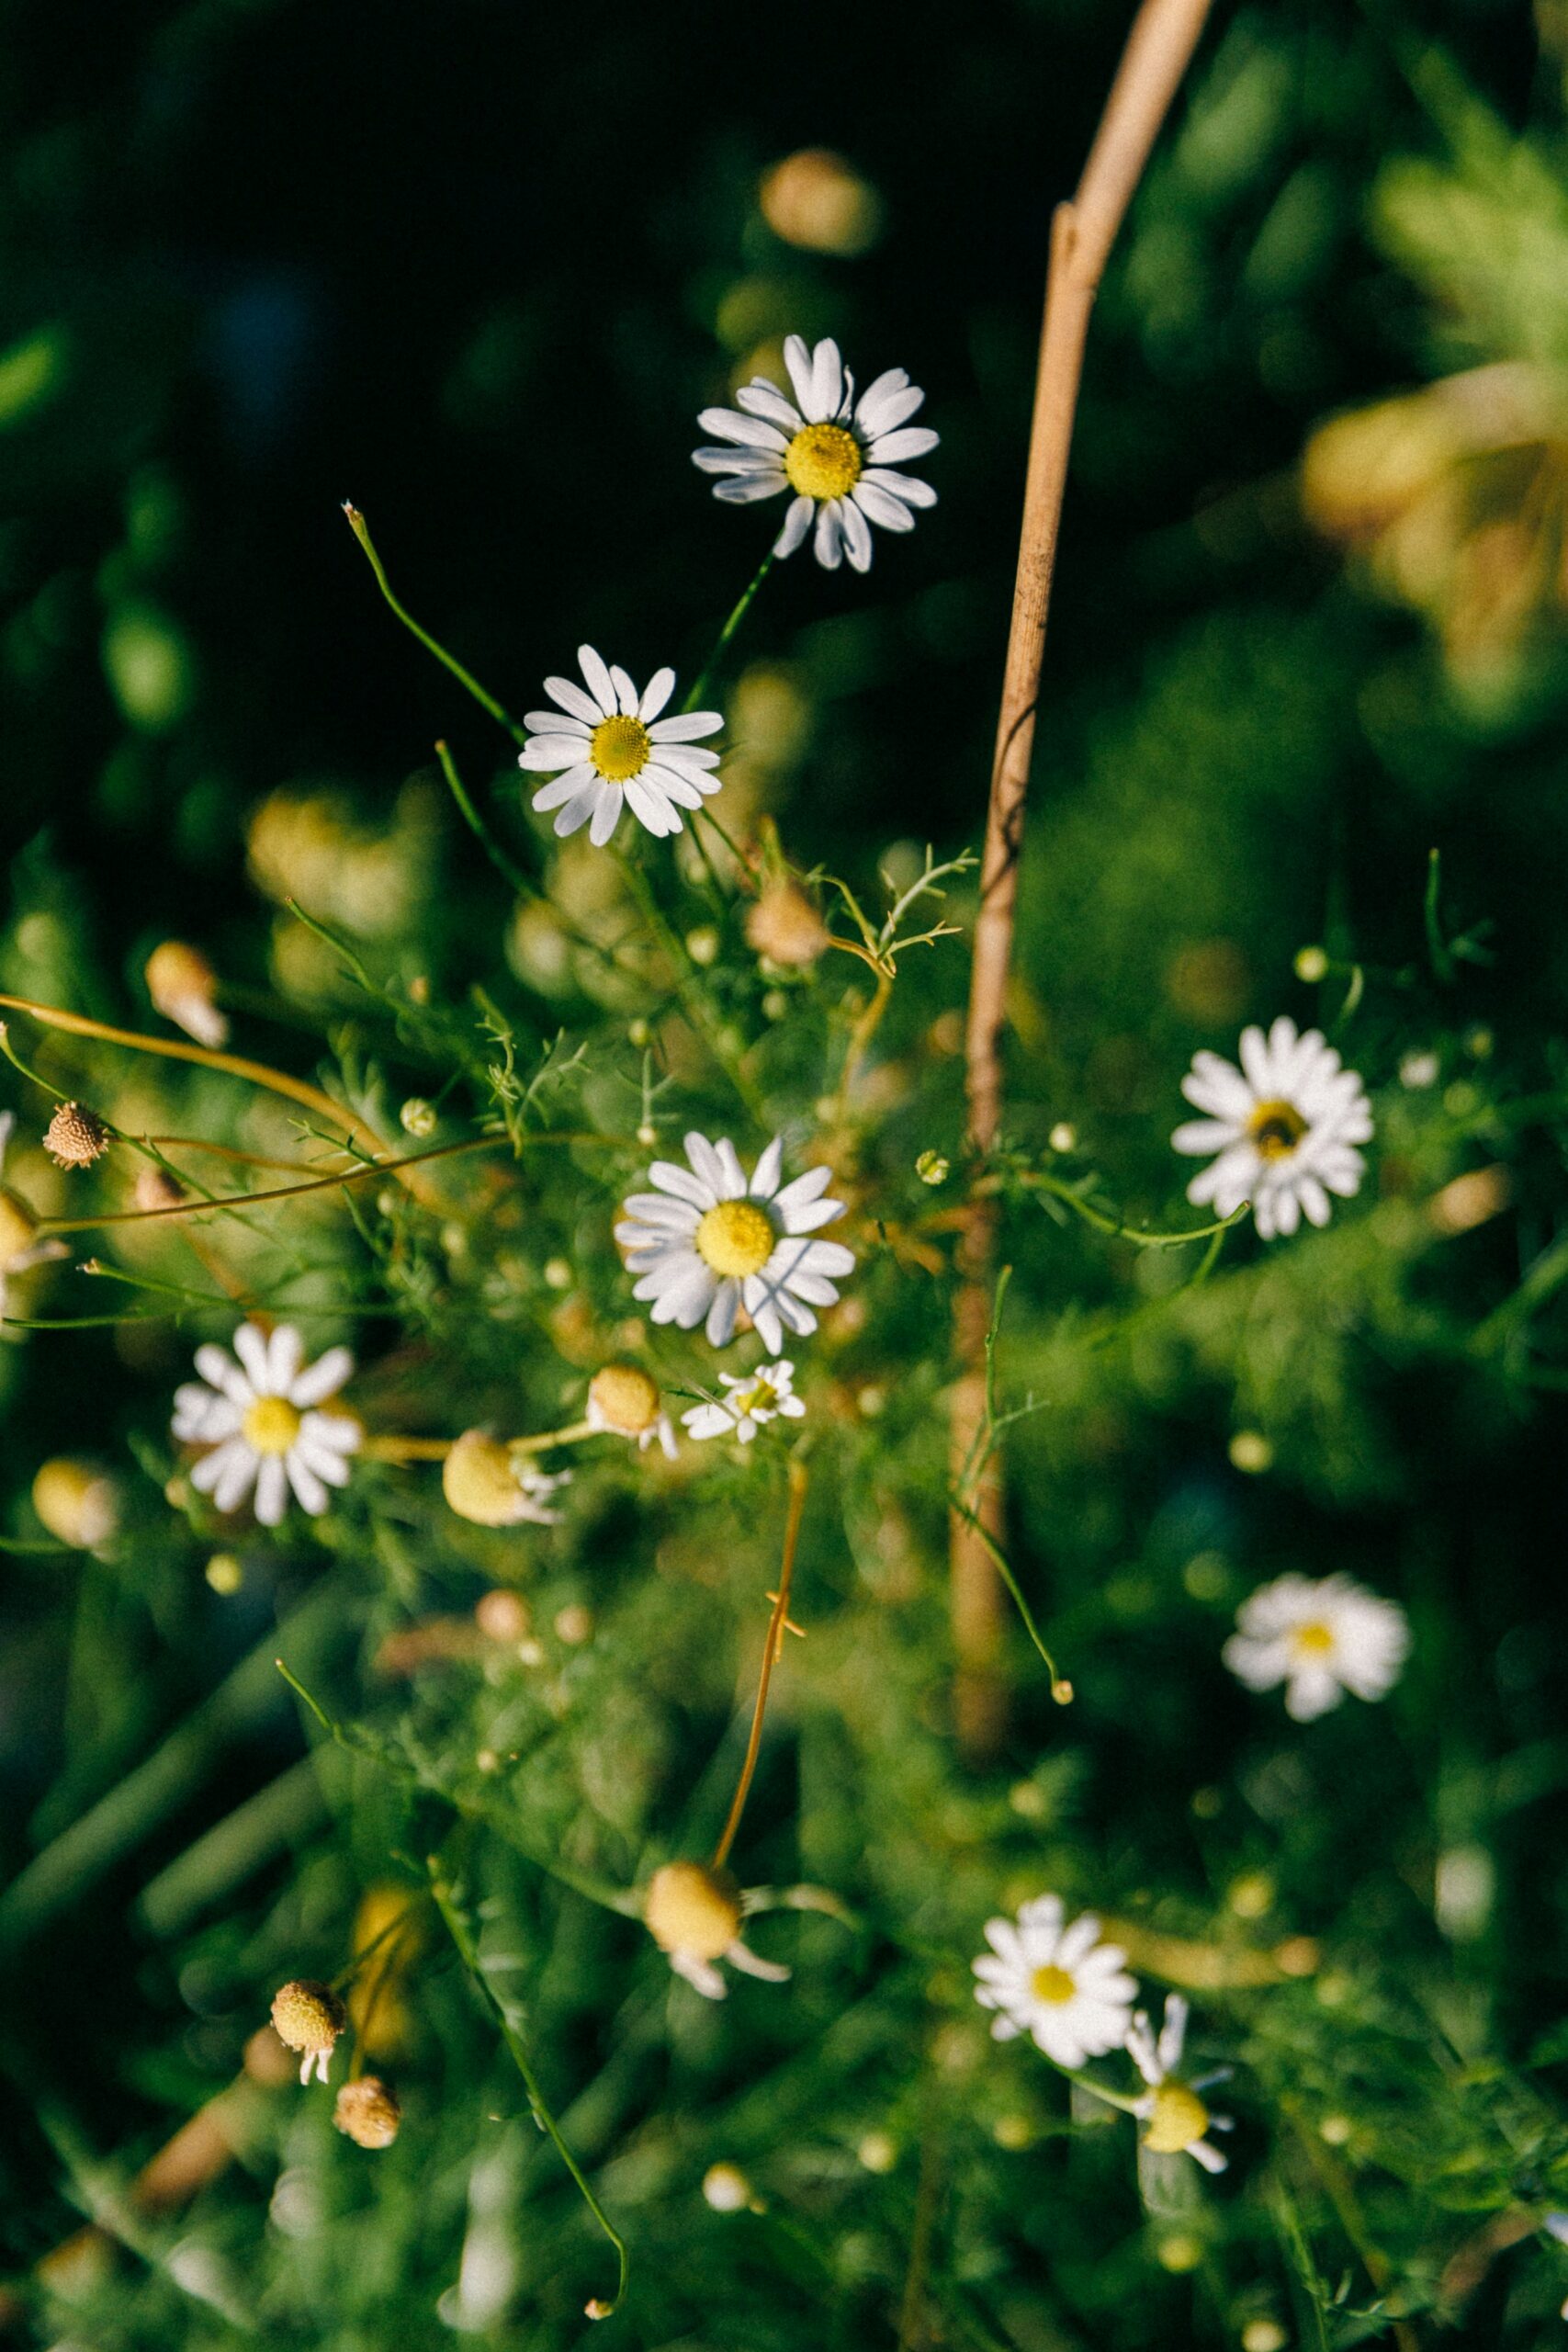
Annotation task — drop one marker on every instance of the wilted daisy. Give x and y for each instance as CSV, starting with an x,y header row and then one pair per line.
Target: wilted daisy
x,y
836,454
1320,1638
1284,1126
1176,2115
708,1242
20,1248
613,750
1055,1981
695,1916
754,1397
261,1417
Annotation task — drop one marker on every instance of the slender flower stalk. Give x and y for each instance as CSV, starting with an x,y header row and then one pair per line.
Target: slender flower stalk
x,y
466,679
1164,35
773,1650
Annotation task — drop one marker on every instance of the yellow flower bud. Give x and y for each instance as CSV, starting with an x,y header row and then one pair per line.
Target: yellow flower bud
x,y
624,1399
308,2016
184,988
1179,2117
367,2112
480,1483
690,1909
76,1501
784,926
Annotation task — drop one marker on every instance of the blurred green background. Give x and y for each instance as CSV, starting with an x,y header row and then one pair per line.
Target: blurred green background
x,y
477,267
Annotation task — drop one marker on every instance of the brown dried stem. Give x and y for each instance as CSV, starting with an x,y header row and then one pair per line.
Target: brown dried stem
x,y
1160,47
770,1653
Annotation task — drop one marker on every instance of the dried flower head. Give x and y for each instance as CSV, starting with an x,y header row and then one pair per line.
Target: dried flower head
x,y
625,1401
484,1481
308,2016
75,1136
695,1916
184,988
367,2112
784,926
77,1501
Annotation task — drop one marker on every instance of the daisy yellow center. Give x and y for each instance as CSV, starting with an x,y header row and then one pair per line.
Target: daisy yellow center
x,y
271,1425
823,461
619,748
1052,1984
1312,1641
1179,2117
736,1238
1275,1129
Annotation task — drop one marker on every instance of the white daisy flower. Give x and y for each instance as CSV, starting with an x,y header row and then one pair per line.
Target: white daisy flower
x,y
20,1248
261,1417
612,750
707,1243
1284,1126
755,1398
1320,1638
1173,2111
836,454
1060,1983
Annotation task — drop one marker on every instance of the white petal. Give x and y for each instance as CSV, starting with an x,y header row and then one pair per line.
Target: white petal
x,y
626,693
827,546
751,431
571,696
606,813
721,1315
285,1354
891,400
547,754
686,1184
745,490
272,1490
765,1175
759,398
797,523
556,722
882,506
601,685
306,1484
857,534
895,448
249,1344
908,487
322,1379
797,359
827,383
686,727
660,687
219,1371
566,788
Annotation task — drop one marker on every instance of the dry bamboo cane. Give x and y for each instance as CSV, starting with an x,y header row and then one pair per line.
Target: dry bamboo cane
x,y
1160,47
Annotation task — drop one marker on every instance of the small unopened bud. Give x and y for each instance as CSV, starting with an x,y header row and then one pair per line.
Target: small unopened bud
x,y
184,988
725,2189
502,1615
308,2016
623,1398
702,945
76,1501
224,1573
1063,1137
480,1483
156,1189
75,1136
1469,1200
1312,965
814,198
417,1117
933,1169
1062,1691
690,1909
1251,1452
367,2112
597,2308
784,926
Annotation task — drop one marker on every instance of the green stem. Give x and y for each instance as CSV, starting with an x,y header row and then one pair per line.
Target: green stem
x,y
694,699
512,875
458,1927
486,700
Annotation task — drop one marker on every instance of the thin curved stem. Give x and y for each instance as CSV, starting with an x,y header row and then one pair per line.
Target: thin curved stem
x,y
770,1652
486,700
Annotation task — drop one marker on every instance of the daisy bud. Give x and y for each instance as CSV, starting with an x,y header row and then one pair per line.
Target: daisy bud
x,y
480,1483
308,2016
184,988
156,1189
725,2189
815,200
75,1136
624,1399
76,1502
417,1117
690,1909
784,926
1312,965
367,2112
502,1615
933,1169
1176,2118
